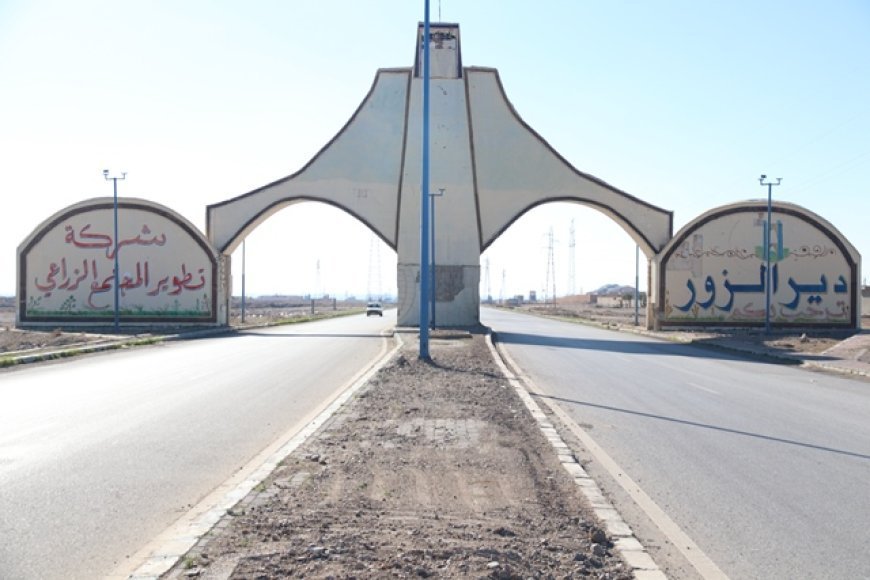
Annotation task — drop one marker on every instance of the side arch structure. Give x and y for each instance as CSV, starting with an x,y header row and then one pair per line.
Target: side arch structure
x,y
517,170
714,271
168,272
358,171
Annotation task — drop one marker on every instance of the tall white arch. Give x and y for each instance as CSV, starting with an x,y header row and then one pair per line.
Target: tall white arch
x,y
491,166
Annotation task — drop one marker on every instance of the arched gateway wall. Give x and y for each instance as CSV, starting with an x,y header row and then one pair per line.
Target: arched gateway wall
x,y
714,271
490,165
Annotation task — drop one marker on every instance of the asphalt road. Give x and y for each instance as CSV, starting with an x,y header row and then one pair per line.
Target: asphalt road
x,y
765,467
99,454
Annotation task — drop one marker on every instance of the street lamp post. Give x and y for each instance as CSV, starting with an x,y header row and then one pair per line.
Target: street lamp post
x,y
117,284
636,285
432,196
243,281
424,193
766,246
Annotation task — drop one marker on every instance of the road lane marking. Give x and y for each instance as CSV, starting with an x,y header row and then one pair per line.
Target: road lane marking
x,y
678,538
709,390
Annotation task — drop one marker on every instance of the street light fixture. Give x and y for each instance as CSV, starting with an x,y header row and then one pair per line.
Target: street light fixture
x,y
243,281
766,246
117,284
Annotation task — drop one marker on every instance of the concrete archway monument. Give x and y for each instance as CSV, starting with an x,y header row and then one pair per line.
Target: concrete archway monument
x,y
492,167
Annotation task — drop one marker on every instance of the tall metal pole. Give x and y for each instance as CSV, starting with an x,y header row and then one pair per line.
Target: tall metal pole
x,y
767,228
424,195
636,285
117,283
243,281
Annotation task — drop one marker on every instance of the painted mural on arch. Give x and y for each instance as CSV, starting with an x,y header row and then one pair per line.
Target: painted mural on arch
x,y
167,270
716,271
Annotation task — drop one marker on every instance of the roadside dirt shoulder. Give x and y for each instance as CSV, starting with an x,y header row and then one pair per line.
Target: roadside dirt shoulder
x,y
822,346
433,470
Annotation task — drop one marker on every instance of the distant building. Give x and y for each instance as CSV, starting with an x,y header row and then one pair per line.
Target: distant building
x,y
515,300
865,301
587,299
611,301
579,299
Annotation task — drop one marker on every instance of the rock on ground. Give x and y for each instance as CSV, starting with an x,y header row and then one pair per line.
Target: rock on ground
x,y
433,470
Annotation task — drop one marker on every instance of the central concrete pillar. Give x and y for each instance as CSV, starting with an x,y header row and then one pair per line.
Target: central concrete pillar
x,y
455,216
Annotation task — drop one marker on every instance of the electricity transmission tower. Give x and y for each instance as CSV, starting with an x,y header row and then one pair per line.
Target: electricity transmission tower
x,y
550,281
571,259
318,292
503,282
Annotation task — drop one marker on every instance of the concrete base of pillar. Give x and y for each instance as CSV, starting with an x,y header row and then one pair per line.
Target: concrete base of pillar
x,y
457,292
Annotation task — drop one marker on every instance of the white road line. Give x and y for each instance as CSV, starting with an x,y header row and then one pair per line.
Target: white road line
x,y
707,389
682,542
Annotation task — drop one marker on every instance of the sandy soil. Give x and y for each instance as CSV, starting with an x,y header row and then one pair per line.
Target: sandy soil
x,y
778,342
14,340
433,470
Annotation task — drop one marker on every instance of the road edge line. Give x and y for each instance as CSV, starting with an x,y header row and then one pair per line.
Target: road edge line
x,y
169,547
631,549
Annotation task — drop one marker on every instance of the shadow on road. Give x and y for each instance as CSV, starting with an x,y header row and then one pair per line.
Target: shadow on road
x,y
705,426
700,348
311,335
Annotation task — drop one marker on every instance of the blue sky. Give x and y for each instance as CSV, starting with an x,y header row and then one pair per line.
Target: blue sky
x,y
680,103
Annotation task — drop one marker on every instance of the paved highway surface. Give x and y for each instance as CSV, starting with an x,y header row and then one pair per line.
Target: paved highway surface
x,y
100,454
765,467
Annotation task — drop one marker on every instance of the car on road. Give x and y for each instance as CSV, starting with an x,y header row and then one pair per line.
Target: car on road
x,y
374,309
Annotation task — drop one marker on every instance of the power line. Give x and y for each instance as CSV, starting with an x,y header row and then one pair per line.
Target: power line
x,y
849,121
839,168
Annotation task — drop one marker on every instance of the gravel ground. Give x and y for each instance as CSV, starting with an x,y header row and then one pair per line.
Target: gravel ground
x,y
433,470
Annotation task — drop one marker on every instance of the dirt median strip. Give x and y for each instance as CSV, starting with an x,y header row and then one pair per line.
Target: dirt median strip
x,y
432,470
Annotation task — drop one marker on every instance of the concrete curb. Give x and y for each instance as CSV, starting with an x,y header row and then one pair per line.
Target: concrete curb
x,y
173,544
636,557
